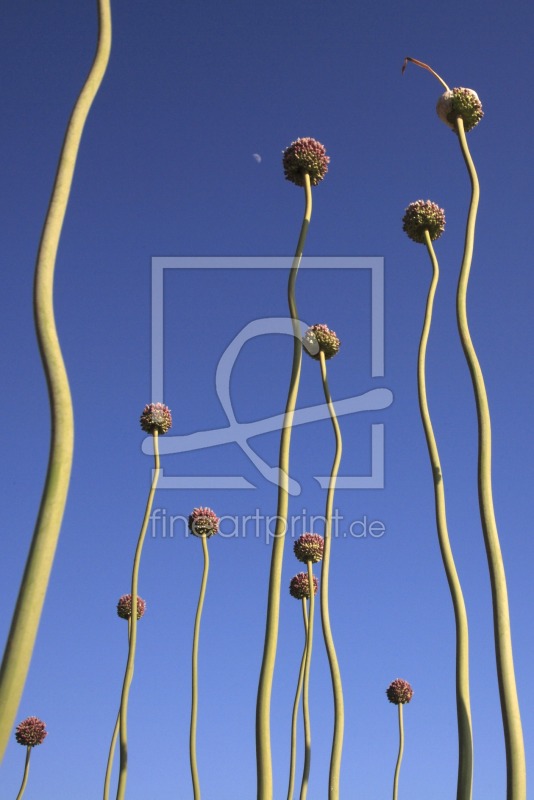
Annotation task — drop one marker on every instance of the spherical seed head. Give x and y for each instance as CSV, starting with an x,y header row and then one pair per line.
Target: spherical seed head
x,y
309,547
305,155
423,215
156,417
462,103
124,606
203,522
399,691
31,732
299,586
319,338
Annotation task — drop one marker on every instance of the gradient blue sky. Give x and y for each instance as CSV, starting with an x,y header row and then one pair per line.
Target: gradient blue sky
x,y
166,168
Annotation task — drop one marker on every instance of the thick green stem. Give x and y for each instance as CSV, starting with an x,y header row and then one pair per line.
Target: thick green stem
x,y
463,704
128,674
306,691
194,673
294,717
339,710
26,773
263,703
513,734
399,756
29,606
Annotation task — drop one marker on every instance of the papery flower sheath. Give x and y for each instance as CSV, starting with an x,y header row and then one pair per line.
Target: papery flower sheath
x,y
299,587
319,338
399,691
124,606
309,547
203,522
420,216
463,103
156,417
31,732
305,155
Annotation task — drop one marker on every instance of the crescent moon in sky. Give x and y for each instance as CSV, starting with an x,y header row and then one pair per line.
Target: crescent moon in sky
x,y
256,157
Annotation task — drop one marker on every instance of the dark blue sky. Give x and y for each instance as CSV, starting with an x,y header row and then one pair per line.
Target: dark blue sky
x,y
166,168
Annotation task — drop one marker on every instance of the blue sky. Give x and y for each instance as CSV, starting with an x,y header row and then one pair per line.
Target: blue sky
x,y
166,168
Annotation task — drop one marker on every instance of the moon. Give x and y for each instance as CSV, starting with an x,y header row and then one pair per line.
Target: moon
x,y
256,157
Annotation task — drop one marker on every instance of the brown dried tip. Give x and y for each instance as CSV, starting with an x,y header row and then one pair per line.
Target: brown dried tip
x,y
424,66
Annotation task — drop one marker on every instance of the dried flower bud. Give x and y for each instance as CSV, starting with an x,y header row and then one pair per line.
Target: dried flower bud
x,y
299,586
124,606
421,216
462,103
203,522
156,417
309,547
305,155
31,732
399,691
319,338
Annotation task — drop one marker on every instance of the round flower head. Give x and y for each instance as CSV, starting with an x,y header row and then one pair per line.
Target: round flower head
x,y
124,606
156,417
299,586
31,732
309,547
319,338
305,155
203,522
399,691
462,103
421,216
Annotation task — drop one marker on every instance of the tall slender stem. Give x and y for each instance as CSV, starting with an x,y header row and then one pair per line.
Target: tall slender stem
x,y
114,737
29,606
339,710
513,734
263,703
26,773
463,704
399,756
306,690
194,673
128,675
294,717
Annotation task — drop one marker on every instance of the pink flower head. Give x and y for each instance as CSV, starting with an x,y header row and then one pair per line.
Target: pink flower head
x,y
463,103
203,522
156,417
299,586
309,547
124,606
399,691
319,338
423,215
305,155
31,732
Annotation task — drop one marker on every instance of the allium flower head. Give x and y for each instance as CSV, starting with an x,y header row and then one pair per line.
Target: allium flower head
x,y
124,606
299,586
203,522
399,691
423,215
319,338
31,732
156,417
462,103
309,547
305,155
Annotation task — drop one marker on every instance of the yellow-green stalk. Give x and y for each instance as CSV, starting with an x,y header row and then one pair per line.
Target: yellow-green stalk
x,y
32,592
29,733
399,692
296,703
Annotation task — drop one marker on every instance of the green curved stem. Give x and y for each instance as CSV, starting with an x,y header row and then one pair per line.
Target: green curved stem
x,y
194,673
26,773
513,734
128,674
115,736
463,704
339,710
399,756
306,691
263,703
293,756
29,606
